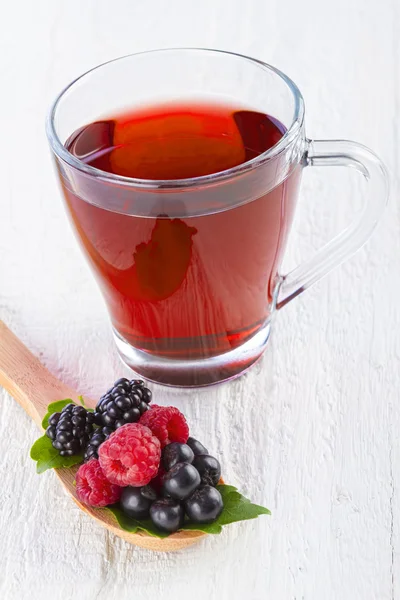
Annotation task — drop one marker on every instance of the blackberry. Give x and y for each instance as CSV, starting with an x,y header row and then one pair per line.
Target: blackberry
x,y
98,437
124,403
70,429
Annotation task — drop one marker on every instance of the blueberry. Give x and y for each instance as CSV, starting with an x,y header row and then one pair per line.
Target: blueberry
x,y
175,453
196,446
204,505
181,481
167,514
136,501
209,469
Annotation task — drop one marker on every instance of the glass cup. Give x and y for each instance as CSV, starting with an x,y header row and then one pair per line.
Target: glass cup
x,y
190,268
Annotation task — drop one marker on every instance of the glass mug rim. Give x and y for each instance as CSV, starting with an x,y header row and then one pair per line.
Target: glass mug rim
x,y
292,132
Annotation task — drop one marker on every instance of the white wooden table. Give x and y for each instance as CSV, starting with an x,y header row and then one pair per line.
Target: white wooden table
x,y
313,431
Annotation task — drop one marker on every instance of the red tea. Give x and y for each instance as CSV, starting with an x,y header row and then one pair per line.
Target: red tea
x,y
184,286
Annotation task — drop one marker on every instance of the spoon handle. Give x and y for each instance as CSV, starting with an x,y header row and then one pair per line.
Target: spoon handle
x,y
26,379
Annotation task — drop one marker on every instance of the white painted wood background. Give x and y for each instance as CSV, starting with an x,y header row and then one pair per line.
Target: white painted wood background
x,y
313,431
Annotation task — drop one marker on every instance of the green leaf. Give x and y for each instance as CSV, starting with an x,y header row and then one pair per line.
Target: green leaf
x,y
39,446
224,489
236,508
53,408
213,528
132,525
81,400
47,457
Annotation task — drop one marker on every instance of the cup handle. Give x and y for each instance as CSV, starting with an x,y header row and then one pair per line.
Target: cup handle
x,y
339,153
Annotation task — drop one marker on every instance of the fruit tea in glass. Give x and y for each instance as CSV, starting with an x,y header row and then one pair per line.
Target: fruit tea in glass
x,y
181,171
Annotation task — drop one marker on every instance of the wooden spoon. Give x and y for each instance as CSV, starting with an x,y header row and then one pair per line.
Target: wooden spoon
x,y
34,387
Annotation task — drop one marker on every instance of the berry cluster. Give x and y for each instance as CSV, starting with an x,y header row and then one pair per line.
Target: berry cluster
x,y
70,429
152,467
124,403
188,488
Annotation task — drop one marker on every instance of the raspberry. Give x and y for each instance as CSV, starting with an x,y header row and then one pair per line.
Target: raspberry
x,y
92,486
167,423
130,456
